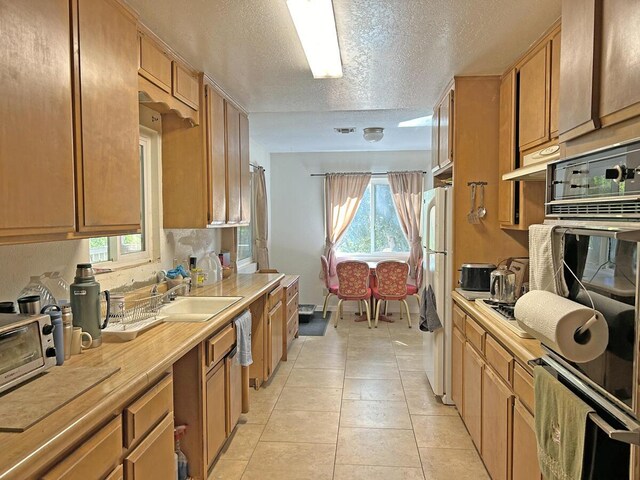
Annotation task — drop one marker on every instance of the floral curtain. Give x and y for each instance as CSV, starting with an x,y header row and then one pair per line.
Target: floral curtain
x,y
261,219
406,189
342,195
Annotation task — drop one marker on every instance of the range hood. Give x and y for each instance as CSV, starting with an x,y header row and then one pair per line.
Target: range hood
x,y
534,165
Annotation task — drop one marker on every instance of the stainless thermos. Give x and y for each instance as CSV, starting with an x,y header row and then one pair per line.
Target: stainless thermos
x,y
85,303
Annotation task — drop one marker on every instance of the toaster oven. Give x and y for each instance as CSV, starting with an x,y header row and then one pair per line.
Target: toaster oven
x,y
26,348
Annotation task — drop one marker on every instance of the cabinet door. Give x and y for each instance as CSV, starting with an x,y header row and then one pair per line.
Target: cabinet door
x,y
525,458
277,331
534,100
232,119
216,156
155,65
154,457
234,387
216,407
472,393
507,152
620,72
245,170
555,85
497,411
186,86
109,170
445,131
457,362
36,132
435,137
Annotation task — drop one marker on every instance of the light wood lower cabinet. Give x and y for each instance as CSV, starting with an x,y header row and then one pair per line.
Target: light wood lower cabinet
x,y
234,390
457,365
497,408
216,411
116,474
525,459
275,334
290,318
154,457
472,394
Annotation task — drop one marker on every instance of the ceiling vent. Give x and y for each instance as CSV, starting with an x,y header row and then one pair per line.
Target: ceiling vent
x,y
345,130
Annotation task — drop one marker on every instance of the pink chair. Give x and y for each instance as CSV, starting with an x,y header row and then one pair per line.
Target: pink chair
x,y
330,283
353,285
392,285
413,287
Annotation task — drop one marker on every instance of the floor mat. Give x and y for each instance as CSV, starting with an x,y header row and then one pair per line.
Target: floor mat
x,y
316,327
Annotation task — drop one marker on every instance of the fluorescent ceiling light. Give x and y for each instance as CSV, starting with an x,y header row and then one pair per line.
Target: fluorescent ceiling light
x,y
316,27
416,122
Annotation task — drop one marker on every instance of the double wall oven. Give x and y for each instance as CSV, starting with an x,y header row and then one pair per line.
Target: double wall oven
x,y
594,201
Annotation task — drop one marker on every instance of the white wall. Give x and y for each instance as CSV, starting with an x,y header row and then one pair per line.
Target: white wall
x,y
297,206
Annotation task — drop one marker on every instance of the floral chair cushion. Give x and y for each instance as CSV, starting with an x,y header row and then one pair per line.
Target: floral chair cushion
x,y
392,278
353,278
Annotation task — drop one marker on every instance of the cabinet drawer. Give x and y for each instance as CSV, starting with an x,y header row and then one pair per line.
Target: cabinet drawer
x,y
154,457
292,290
523,386
155,66
499,358
95,458
220,344
274,297
475,333
292,328
458,318
186,86
146,412
292,306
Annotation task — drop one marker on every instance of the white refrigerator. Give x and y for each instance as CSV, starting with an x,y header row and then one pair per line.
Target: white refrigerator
x,y
437,240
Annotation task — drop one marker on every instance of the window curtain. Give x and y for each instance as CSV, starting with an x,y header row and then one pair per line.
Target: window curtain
x,y
261,220
406,189
342,196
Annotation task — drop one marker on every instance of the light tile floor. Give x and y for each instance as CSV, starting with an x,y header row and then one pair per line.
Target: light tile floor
x,y
354,404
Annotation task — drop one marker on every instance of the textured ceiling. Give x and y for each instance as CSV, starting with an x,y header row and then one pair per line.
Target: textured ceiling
x,y
397,54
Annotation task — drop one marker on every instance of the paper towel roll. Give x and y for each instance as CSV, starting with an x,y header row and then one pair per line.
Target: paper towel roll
x,y
554,321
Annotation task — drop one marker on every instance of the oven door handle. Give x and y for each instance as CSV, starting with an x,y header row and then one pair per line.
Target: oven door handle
x,y
625,436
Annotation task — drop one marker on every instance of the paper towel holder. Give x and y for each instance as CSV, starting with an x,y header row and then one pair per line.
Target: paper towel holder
x,y
582,335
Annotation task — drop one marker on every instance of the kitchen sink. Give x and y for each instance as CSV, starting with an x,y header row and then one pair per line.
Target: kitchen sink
x,y
196,309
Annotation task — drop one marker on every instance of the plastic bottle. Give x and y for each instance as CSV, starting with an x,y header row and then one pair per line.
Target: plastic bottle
x,y
58,334
181,459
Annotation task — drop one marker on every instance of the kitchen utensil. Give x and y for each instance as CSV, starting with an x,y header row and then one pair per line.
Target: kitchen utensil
x,y
476,277
471,216
29,304
67,327
503,285
7,307
481,212
80,340
117,305
85,303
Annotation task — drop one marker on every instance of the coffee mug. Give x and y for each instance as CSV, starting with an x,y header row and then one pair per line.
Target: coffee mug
x,y
117,306
80,340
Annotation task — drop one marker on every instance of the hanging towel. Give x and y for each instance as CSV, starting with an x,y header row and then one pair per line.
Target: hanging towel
x,y
546,270
429,319
560,421
243,332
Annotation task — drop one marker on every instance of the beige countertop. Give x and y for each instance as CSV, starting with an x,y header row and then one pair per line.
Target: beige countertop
x,y
523,349
141,362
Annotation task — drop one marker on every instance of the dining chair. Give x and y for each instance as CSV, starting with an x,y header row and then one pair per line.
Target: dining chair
x,y
330,283
353,285
414,286
392,285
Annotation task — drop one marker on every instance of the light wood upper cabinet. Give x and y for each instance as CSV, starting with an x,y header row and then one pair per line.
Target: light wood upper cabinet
x,y
525,461
555,85
155,64
472,393
232,121
507,149
534,89
457,365
497,424
445,131
245,171
36,132
186,86
217,158
435,136
108,167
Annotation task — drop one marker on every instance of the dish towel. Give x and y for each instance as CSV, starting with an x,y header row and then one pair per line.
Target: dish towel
x,y
560,421
546,270
429,319
243,332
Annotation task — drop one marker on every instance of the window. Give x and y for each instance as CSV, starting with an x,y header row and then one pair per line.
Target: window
x,y
134,247
245,234
375,228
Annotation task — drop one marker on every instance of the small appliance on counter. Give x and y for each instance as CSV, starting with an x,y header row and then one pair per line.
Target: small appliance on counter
x,y
503,285
85,303
476,277
26,347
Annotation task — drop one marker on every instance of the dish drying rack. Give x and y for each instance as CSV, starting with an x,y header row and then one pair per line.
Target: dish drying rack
x,y
135,315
